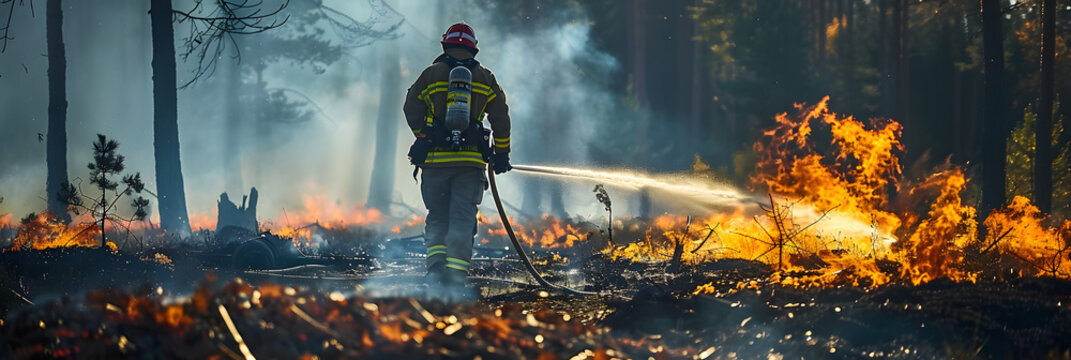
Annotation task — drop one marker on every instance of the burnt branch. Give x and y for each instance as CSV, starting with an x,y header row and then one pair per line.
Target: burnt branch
x,y
1049,265
678,248
357,34
782,222
824,213
713,231
5,31
995,242
211,30
603,197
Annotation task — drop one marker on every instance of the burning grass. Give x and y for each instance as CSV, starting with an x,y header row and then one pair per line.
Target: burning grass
x,y
831,265
547,232
829,219
43,231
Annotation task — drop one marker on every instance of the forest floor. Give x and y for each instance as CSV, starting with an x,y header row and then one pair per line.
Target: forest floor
x,y
94,303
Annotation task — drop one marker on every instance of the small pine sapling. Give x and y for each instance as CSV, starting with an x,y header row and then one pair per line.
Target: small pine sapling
x,y
106,165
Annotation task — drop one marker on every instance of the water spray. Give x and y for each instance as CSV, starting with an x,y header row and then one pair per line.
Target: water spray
x,y
703,193
709,196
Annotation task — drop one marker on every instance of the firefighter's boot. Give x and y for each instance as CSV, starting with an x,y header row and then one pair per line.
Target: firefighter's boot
x,y
435,278
456,286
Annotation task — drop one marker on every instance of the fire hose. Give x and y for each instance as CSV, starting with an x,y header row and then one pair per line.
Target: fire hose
x,y
517,244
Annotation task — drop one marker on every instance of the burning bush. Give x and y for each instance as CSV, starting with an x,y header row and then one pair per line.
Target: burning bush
x,y
1018,230
829,218
44,231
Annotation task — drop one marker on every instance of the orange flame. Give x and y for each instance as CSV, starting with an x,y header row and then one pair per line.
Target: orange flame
x,y
201,221
857,179
44,231
934,250
547,232
1019,230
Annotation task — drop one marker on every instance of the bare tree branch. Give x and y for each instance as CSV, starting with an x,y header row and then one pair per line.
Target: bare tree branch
x,y
5,31
211,30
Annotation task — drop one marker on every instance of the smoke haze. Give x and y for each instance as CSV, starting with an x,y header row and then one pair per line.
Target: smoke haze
x,y
330,152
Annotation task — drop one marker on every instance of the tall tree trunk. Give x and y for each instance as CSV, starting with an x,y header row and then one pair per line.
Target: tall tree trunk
x,y
169,186
1043,134
901,111
822,12
637,37
637,33
557,201
56,147
849,40
995,132
232,130
698,96
382,184
887,54
959,133
533,196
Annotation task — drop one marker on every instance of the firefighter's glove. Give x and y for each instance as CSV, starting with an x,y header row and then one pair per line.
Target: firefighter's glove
x,y
418,152
501,163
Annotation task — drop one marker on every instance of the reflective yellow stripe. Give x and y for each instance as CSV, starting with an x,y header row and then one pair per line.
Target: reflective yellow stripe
x,y
448,160
432,88
454,153
438,86
454,156
435,90
484,90
455,263
454,260
416,131
436,249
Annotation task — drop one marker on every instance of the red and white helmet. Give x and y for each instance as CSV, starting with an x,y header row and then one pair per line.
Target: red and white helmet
x,y
460,34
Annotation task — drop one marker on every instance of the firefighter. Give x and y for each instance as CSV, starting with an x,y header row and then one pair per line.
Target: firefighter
x,y
452,164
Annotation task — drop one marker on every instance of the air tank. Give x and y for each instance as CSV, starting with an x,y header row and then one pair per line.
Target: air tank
x,y
458,94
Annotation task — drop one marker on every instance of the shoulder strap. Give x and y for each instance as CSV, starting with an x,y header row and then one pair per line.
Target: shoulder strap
x,y
470,63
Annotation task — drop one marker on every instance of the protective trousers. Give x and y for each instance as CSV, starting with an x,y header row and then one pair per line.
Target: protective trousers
x,y
452,196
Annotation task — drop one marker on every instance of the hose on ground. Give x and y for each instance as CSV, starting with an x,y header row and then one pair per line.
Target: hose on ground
x,y
517,244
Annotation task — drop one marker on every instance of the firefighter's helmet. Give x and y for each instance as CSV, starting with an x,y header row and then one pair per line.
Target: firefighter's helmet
x,y
460,34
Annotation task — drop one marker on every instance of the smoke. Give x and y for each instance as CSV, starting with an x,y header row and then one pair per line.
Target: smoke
x,y
553,78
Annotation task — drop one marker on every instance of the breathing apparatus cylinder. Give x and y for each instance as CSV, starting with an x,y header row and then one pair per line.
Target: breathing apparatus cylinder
x,y
458,93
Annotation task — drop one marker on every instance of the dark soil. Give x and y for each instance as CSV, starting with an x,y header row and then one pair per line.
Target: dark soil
x,y
642,311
